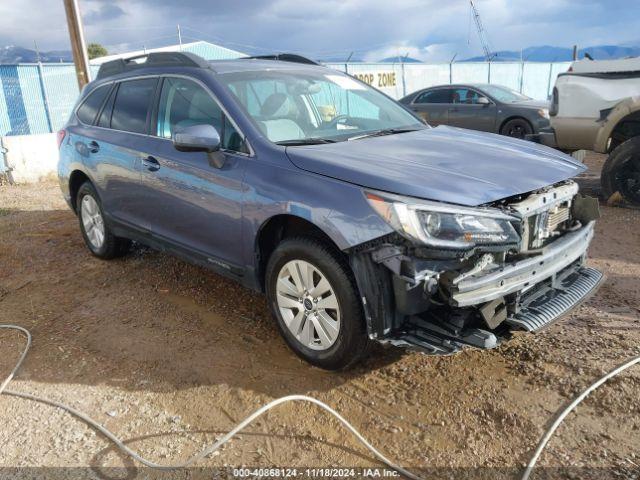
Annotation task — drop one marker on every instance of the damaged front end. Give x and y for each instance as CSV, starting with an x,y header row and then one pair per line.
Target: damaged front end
x,y
457,276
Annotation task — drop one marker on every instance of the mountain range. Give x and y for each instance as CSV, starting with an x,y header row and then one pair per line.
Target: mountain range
x,y
545,53
14,54
548,53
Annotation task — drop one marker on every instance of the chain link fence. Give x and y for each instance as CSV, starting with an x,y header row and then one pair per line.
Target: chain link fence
x,y
38,98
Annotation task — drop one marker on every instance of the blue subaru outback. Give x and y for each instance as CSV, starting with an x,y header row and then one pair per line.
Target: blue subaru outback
x,y
359,222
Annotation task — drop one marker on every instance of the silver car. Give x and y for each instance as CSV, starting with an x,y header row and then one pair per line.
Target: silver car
x,y
484,107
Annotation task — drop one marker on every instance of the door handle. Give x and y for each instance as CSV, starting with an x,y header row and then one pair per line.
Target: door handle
x,y
151,164
94,147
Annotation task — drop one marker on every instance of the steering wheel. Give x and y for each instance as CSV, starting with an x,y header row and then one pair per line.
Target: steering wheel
x,y
335,120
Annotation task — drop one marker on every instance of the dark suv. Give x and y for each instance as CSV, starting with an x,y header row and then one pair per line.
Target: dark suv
x,y
357,220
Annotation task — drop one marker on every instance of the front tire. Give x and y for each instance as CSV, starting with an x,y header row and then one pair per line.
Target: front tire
x,y
312,295
516,128
621,172
95,231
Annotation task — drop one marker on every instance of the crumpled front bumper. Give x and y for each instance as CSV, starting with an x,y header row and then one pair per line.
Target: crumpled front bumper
x,y
523,274
528,294
546,136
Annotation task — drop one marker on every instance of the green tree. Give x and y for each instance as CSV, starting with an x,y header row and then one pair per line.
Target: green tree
x,y
96,50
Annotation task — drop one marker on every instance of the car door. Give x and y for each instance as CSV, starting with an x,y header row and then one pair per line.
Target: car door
x,y
467,111
113,149
191,204
433,106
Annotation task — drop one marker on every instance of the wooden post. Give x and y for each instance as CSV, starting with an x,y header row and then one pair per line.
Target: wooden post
x,y
78,45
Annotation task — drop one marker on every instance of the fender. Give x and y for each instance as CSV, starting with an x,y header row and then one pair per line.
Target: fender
x,y
620,111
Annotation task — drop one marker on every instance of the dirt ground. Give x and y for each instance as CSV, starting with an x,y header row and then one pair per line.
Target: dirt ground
x,y
170,356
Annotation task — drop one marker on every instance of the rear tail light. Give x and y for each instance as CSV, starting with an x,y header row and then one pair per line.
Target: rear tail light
x,y
61,134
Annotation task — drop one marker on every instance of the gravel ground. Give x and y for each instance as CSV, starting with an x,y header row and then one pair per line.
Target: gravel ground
x,y
170,356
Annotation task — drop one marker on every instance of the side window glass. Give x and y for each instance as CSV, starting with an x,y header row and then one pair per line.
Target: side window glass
x,y
91,105
460,95
466,96
184,103
232,140
132,105
442,95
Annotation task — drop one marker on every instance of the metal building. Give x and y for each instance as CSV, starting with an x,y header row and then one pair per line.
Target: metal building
x,y
38,98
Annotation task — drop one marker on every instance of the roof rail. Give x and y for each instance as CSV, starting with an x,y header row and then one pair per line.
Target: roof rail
x,y
285,57
156,59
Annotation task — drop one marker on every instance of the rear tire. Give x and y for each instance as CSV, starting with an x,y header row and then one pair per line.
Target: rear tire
x,y
621,172
95,231
303,277
516,128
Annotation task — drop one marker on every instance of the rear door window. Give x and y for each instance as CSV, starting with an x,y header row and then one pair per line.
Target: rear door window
x,y
442,95
132,104
91,106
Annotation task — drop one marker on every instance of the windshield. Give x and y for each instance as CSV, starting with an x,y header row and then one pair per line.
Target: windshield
x,y
300,107
504,94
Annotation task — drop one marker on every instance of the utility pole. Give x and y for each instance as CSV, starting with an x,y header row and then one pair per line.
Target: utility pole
x,y
179,37
482,33
78,45
35,45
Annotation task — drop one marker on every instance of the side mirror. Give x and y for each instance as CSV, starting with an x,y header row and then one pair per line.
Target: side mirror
x,y
196,138
484,101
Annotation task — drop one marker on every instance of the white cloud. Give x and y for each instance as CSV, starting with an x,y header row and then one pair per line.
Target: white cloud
x,y
434,53
430,30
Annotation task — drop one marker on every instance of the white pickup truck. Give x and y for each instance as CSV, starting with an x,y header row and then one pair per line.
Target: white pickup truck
x,y
596,106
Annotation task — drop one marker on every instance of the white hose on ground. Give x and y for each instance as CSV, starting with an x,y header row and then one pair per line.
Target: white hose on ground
x,y
568,410
290,398
207,451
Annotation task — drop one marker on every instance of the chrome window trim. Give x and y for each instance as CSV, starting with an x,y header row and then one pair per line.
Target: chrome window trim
x,y
171,75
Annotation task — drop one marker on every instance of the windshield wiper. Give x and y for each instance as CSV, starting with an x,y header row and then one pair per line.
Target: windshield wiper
x,y
384,131
305,141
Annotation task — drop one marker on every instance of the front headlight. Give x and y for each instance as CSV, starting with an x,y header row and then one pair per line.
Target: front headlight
x,y
443,225
544,113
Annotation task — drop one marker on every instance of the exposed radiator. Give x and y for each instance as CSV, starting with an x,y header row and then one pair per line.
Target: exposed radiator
x,y
556,216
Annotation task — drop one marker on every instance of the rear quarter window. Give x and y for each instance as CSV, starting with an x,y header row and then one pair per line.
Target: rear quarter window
x,y
91,105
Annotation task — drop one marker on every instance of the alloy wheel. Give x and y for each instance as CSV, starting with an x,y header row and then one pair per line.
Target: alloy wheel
x,y
308,305
92,221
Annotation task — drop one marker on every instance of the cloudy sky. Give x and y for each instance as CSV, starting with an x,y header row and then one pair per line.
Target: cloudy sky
x,y
431,30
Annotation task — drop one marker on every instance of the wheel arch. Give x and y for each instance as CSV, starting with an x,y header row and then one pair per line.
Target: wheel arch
x,y
622,124
281,226
76,179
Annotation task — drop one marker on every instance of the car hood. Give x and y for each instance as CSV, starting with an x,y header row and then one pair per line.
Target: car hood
x,y
446,164
537,104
